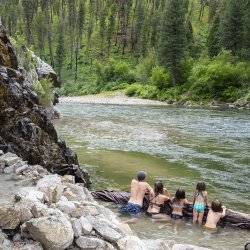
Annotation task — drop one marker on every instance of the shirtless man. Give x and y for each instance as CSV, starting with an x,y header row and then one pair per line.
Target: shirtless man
x,y
138,190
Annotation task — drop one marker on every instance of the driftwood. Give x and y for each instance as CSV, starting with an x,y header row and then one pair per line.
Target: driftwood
x,y
232,218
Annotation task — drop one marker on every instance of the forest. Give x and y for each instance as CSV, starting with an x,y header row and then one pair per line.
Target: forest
x,y
169,50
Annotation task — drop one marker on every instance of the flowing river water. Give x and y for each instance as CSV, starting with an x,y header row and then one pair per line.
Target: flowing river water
x,y
177,145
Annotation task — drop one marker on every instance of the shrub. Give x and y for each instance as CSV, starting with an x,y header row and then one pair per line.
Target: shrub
x,y
218,78
160,78
143,91
133,89
143,70
44,89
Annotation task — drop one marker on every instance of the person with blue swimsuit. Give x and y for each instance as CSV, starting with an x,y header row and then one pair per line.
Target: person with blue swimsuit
x,y
199,202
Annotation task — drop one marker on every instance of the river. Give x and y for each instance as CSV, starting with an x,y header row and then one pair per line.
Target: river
x,y
177,145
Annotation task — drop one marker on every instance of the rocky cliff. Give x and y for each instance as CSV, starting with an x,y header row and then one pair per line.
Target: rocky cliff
x,y
25,126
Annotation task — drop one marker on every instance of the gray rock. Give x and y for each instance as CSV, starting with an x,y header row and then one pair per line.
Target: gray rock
x,y
9,217
53,232
9,159
77,227
107,230
187,247
9,170
93,243
67,207
51,186
86,225
68,179
21,169
4,242
131,242
30,193
158,244
1,152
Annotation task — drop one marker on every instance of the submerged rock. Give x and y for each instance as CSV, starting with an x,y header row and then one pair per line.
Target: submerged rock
x,y
131,242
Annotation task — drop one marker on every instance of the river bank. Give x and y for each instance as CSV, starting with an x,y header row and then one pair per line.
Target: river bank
x,y
48,211
119,98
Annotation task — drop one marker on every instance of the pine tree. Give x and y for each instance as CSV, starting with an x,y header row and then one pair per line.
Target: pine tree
x,y
232,26
246,31
111,26
172,45
214,38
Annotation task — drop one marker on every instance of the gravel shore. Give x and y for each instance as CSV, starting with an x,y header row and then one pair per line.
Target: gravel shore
x,y
113,100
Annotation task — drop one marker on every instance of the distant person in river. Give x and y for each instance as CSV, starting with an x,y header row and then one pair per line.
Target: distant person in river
x,y
215,213
157,201
137,192
199,202
178,203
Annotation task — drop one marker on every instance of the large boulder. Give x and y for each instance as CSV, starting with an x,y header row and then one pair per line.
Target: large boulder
x,y
106,229
53,232
10,217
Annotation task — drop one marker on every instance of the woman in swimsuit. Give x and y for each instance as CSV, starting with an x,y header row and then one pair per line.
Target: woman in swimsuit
x,y
157,201
178,203
199,202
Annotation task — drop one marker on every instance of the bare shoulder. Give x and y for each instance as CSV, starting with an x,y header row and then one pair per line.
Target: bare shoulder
x,y
205,193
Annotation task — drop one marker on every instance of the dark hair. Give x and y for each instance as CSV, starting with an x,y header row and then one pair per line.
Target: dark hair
x,y
180,194
158,187
141,175
201,186
247,246
216,206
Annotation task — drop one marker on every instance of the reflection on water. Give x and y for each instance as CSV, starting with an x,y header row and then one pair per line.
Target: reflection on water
x,y
179,146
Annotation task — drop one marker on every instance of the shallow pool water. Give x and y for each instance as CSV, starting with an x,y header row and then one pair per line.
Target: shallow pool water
x,y
179,146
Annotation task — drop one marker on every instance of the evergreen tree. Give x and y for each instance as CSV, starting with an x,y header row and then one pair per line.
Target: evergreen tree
x,y
214,38
232,26
172,45
246,34
111,26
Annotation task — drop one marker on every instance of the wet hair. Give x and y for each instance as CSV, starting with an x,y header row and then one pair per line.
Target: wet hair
x,y
180,194
141,175
216,206
201,186
158,187
247,246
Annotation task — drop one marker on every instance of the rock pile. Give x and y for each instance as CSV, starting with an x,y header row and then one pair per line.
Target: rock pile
x,y
53,212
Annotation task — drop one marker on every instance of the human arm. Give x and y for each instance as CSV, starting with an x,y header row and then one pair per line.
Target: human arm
x,y
223,211
205,198
150,190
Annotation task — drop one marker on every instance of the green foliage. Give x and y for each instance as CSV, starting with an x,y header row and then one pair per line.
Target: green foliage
x,y
44,89
143,70
143,91
160,78
114,71
220,78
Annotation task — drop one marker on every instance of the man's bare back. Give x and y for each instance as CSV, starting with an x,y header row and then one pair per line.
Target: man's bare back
x,y
138,191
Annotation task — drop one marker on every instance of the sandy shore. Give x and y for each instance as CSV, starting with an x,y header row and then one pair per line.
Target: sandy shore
x,y
113,100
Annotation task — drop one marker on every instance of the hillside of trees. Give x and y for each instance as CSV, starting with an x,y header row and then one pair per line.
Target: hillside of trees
x,y
173,50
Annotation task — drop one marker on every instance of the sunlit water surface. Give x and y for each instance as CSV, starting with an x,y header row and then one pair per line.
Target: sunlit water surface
x,y
178,146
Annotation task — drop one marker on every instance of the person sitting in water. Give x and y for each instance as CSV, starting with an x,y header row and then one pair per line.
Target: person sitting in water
x,y
199,202
157,201
215,213
138,190
178,203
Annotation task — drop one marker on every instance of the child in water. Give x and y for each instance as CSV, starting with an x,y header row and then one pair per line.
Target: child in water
x,y
199,202
216,212
178,203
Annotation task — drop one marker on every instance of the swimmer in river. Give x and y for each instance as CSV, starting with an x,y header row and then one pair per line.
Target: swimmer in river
x,y
139,187
199,202
157,201
216,212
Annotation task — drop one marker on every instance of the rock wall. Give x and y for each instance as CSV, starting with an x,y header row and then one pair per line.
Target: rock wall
x,y
25,127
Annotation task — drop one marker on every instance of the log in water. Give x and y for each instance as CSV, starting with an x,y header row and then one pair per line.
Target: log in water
x,y
232,218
